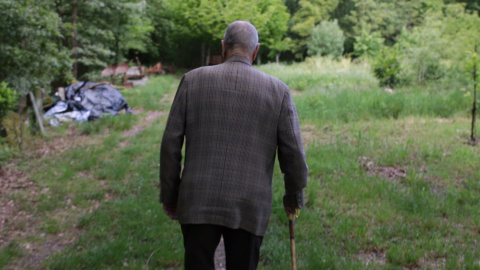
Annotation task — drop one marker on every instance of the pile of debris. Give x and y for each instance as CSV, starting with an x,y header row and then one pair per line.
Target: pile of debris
x,y
86,101
132,75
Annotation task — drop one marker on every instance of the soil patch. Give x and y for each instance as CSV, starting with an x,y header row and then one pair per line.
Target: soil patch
x,y
373,257
14,221
309,135
151,116
389,172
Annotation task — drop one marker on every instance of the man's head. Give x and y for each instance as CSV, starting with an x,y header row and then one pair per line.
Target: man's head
x,y
241,38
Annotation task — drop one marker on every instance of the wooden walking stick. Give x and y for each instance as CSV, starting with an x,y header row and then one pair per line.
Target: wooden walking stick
x,y
291,224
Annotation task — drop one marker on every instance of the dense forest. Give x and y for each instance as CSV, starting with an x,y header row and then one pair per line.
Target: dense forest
x,y
45,44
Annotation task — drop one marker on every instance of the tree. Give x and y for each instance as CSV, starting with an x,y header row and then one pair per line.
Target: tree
x,y
163,38
31,56
272,31
470,5
126,24
368,44
386,17
103,31
277,47
311,12
435,50
472,66
207,20
460,30
423,51
326,39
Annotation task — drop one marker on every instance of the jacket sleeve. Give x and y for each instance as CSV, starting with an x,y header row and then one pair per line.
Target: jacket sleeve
x,y
171,147
291,155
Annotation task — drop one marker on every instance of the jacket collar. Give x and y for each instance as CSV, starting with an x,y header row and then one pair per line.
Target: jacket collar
x,y
238,58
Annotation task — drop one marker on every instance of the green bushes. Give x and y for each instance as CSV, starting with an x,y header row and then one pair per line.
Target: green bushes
x,y
327,39
387,67
416,58
8,99
368,44
431,52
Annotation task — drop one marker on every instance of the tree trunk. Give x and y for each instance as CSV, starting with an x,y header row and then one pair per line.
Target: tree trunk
x,y
207,60
74,37
259,60
117,48
474,107
277,58
63,41
202,53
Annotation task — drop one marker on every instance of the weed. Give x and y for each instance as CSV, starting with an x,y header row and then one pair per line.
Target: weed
x,y
50,226
9,253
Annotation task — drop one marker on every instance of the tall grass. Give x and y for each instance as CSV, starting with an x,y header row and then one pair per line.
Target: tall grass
x,y
323,74
345,91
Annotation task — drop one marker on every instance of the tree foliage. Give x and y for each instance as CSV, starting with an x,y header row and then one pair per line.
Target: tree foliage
x,y
41,39
207,20
326,39
368,44
422,48
31,54
310,13
436,49
8,99
108,29
387,67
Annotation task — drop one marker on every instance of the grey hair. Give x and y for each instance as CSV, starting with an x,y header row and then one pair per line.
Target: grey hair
x,y
241,34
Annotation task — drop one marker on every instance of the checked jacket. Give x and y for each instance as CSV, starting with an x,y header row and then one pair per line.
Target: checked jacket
x,y
233,120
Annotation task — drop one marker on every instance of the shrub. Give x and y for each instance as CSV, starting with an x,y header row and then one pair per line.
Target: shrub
x,y
387,67
327,39
8,99
423,50
17,131
368,44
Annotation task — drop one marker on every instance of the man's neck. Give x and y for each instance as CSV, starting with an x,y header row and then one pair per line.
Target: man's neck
x,y
237,53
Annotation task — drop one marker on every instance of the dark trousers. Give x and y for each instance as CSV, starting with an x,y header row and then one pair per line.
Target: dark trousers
x,y
242,248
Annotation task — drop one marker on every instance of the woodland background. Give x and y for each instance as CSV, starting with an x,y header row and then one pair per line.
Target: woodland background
x,y
50,43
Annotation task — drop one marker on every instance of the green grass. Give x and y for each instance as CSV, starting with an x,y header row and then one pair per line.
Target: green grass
x,y
356,217
345,92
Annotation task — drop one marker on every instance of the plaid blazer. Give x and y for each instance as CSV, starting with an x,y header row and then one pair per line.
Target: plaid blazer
x,y
233,119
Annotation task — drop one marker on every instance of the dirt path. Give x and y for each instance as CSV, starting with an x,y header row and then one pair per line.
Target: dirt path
x,y
18,193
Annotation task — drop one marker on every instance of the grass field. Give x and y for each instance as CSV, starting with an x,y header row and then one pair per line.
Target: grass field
x,y
393,183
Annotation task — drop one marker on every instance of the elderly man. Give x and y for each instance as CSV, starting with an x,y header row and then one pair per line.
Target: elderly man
x,y
233,119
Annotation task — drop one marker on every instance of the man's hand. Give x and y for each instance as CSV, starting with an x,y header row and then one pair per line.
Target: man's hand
x,y
170,210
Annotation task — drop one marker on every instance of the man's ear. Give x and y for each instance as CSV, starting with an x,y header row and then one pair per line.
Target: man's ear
x,y
254,55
